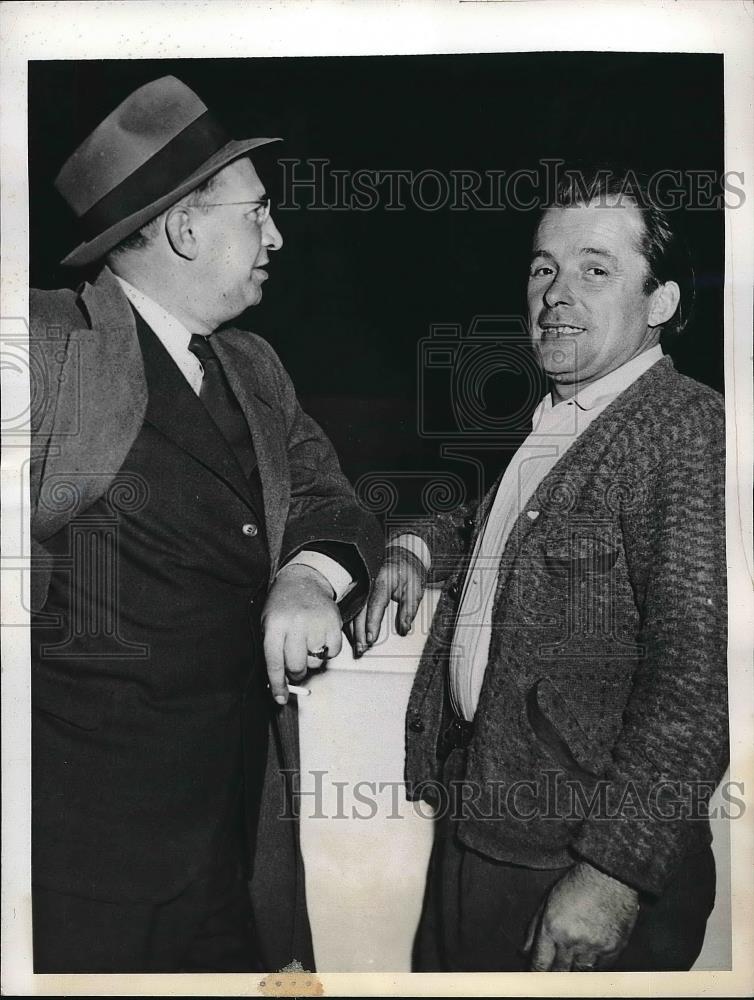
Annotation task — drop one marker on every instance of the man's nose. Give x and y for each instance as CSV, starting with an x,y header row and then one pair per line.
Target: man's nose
x,y
271,235
559,291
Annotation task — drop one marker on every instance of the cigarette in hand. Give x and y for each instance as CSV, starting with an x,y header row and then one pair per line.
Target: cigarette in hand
x,y
297,689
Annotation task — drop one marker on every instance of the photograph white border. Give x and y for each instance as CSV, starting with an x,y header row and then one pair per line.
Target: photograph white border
x,y
140,30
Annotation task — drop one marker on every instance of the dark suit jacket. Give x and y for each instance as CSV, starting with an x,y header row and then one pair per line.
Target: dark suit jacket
x,y
607,663
90,395
89,400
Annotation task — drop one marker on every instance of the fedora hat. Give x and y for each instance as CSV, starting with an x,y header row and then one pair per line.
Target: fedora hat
x,y
155,147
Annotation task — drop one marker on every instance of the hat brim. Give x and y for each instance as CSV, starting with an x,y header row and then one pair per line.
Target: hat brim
x,y
92,250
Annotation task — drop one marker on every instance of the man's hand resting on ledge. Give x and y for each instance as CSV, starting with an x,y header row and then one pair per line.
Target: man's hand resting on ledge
x,y
402,579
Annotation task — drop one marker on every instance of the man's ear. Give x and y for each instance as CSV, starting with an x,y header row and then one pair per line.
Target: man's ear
x,y
180,232
664,303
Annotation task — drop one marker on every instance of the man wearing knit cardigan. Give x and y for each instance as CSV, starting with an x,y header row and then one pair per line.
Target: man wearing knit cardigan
x,y
569,716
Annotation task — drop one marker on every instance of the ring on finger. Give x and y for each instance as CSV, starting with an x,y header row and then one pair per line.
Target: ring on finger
x,y
319,654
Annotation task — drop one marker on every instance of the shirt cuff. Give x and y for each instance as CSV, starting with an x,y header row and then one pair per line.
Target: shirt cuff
x,y
416,545
339,578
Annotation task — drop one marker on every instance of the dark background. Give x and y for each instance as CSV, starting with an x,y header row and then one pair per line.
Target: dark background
x,y
351,294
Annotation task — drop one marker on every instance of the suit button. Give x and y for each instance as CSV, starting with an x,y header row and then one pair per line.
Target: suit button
x,y
416,726
250,530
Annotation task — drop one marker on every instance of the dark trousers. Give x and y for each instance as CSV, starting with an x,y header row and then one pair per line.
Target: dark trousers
x,y
476,910
207,928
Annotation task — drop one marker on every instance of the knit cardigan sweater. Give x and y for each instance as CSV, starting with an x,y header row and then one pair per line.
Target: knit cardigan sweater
x,y
601,728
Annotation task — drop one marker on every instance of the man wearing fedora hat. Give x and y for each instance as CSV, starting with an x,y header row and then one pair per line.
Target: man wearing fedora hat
x,y
194,545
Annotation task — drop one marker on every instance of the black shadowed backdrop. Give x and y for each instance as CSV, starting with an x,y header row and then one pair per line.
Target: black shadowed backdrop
x,y
357,287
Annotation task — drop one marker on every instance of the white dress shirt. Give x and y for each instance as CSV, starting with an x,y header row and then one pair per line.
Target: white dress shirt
x,y
173,334
175,339
554,430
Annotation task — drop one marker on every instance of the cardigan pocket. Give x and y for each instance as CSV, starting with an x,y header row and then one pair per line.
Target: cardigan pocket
x,y
576,553
557,729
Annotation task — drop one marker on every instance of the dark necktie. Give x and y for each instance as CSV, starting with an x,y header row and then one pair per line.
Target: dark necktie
x,y
221,403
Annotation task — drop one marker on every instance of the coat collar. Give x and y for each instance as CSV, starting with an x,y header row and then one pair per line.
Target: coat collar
x,y
107,307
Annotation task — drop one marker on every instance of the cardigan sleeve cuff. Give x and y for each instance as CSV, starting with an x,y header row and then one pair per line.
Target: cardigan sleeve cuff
x,y
416,545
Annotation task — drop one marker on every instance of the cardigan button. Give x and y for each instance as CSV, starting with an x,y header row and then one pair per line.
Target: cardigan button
x,y
416,725
469,523
454,590
250,530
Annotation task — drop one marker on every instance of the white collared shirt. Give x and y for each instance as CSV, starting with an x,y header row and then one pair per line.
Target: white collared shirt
x,y
175,339
554,429
172,333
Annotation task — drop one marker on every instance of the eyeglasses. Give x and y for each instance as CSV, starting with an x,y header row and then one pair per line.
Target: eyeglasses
x,y
262,213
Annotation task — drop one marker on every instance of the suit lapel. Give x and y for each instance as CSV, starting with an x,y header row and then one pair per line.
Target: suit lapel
x,y
101,419
176,411
262,415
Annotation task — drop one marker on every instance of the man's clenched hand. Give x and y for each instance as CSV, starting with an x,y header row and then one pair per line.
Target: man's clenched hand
x,y
402,579
584,922
300,616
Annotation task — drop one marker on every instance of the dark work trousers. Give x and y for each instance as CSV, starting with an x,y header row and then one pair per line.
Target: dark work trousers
x,y
476,910
207,928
